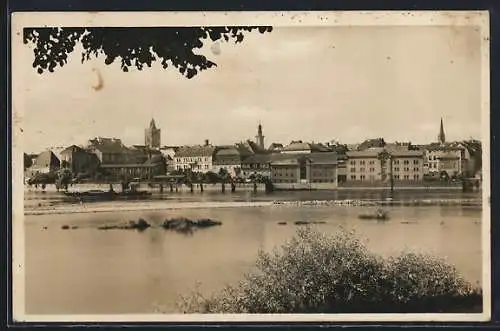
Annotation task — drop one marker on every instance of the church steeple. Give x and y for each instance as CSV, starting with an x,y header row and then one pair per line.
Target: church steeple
x,y
441,137
152,124
259,138
152,135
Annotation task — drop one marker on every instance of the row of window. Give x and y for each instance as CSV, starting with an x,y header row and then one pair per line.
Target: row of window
x,y
372,162
291,181
397,177
396,169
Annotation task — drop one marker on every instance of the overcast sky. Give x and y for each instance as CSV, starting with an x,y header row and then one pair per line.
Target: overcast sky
x,y
314,84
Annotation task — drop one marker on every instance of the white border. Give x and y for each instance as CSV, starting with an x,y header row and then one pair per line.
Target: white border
x,y
138,19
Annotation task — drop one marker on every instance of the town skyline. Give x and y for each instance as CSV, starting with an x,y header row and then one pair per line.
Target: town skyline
x,y
347,84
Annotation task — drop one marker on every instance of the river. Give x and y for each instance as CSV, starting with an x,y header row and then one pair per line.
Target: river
x,y
90,271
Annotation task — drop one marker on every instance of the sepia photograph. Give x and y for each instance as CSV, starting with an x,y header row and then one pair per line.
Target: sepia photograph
x,y
251,166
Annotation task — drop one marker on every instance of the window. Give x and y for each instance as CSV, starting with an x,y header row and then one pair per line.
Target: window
x,y
362,169
407,169
362,177
372,169
362,162
416,177
372,162
396,176
415,169
396,161
406,162
353,177
353,169
407,177
415,162
353,162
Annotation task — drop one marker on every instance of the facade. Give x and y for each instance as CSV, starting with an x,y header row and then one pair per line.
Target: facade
x,y
79,160
314,168
450,158
155,166
152,135
197,158
231,159
45,162
256,165
368,166
110,151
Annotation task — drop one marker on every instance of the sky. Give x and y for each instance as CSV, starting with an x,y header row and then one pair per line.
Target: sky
x,y
310,83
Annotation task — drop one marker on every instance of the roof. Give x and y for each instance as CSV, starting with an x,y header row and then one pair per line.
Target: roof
x,y
276,146
195,151
72,149
257,159
375,151
314,158
304,146
442,147
108,145
47,157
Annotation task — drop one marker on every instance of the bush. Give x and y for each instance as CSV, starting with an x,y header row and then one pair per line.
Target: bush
x,y
316,273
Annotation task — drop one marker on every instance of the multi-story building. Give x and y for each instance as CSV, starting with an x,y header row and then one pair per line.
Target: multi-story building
x,y
231,159
79,160
152,135
256,165
374,165
197,158
44,163
441,157
110,151
314,168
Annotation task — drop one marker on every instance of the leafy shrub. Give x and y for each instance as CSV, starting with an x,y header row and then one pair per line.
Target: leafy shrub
x,y
316,273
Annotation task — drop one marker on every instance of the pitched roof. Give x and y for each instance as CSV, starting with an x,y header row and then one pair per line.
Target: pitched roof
x,y
195,151
108,145
47,158
296,146
72,149
375,151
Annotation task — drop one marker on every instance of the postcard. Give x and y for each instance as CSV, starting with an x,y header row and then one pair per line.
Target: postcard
x,y
250,166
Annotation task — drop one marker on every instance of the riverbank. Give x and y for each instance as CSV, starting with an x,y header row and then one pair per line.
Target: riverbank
x,y
164,205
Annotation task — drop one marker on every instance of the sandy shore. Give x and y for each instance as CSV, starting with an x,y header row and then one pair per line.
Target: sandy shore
x,y
150,206
163,205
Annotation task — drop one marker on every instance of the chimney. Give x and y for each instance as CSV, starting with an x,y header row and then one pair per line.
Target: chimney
x,y
206,142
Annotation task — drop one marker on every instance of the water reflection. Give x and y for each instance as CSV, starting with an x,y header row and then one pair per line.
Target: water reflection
x,y
125,271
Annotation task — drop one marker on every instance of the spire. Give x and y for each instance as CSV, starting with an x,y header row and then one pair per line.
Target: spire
x,y
152,124
441,137
259,138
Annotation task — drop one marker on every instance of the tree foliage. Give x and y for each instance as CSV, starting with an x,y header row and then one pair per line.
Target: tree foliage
x,y
133,47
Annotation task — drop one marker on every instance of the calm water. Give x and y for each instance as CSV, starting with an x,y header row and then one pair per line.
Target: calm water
x,y
88,271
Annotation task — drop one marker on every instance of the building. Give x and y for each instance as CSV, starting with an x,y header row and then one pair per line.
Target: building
x,y
300,147
155,166
259,138
316,170
197,158
449,159
44,163
152,135
111,151
374,165
231,159
79,160
257,165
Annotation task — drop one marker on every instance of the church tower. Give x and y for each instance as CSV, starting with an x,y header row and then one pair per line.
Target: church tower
x,y
441,137
152,135
259,138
